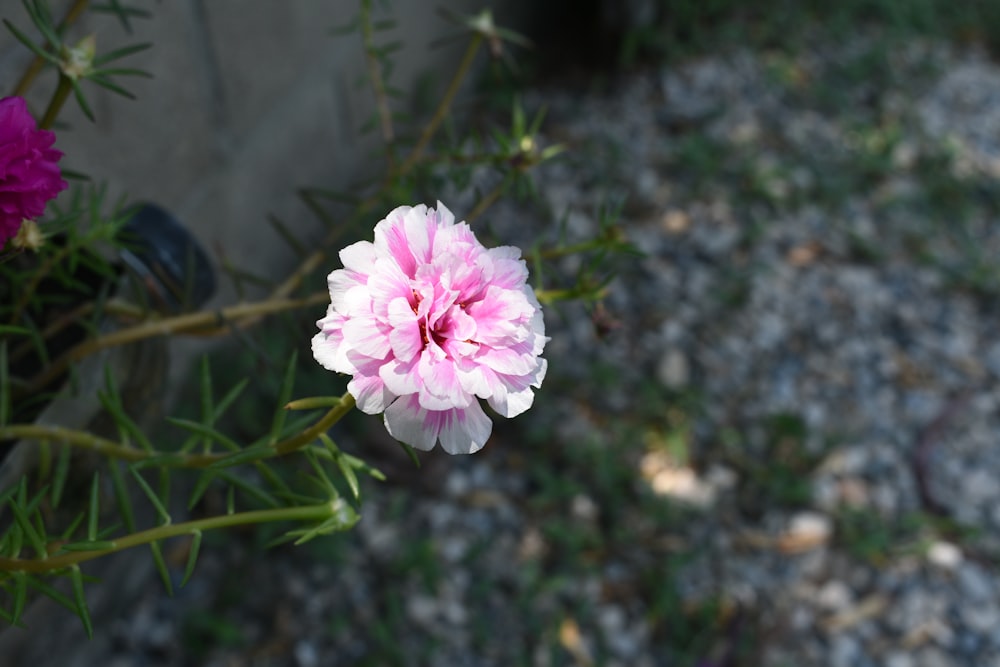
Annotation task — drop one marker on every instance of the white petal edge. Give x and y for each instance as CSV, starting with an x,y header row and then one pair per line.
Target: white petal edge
x,y
405,421
465,431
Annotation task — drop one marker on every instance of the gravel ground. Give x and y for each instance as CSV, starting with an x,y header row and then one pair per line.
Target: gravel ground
x,y
813,320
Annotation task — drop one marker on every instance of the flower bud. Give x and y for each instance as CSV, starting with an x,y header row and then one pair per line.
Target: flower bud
x,y
78,61
29,237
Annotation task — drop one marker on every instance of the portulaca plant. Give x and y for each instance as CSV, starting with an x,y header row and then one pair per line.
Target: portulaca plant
x,y
428,323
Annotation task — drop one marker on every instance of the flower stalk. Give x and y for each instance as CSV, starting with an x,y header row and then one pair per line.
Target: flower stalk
x,y
113,450
60,561
375,73
209,323
443,106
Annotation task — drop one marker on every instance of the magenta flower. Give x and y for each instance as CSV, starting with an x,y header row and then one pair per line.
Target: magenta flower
x,y
428,321
29,175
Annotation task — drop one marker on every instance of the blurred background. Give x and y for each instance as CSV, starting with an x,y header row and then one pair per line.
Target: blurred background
x,y
771,442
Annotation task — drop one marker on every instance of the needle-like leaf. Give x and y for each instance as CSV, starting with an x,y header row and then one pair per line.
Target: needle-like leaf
x,y
61,473
82,101
161,567
151,495
119,53
192,556
207,431
27,41
81,601
20,595
122,496
284,395
94,513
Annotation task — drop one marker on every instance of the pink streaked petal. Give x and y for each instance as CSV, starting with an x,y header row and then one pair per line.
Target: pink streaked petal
x,y
537,323
331,354
538,345
332,323
511,404
390,238
440,386
507,269
420,228
388,282
355,302
400,312
457,324
512,394
461,235
459,349
444,217
404,337
407,422
359,257
499,316
348,293
339,282
475,378
540,371
367,336
506,361
467,281
462,431
400,377
370,393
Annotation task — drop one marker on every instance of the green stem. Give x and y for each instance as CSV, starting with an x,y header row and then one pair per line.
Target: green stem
x,y
487,200
204,323
112,307
583,246
114,450
378,83
56,103
303,513
443,106
333,416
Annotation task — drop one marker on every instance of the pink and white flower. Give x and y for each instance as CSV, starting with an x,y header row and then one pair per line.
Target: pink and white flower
x,y
428,321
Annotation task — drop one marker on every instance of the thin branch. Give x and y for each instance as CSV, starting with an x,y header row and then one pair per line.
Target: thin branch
x,y
377,81
112,307
443,106
204,323
61,561
56,103
487,200
115,450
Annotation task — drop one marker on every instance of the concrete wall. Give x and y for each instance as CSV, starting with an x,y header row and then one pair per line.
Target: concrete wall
x,y
250,100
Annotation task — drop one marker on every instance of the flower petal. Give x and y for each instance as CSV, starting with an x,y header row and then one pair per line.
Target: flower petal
x,y
370,393
328,345
464,431
404,337
401,378
440,387
406,421
359,257
367,336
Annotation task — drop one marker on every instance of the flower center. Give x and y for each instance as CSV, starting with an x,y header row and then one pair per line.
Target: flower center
x,y
443,327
